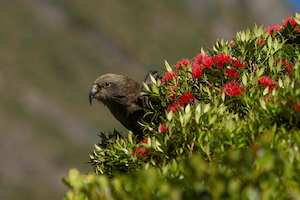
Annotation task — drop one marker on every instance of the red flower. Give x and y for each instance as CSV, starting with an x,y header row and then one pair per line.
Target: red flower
x,y
186,98
289,68
288,65
232,73
182,63
168,76
274,28
267,82
237,63
197,71
203,60
261,42
163,128
289,21
173,107
198,58
221,59
141,152
207,62
183,100
233,88
297,107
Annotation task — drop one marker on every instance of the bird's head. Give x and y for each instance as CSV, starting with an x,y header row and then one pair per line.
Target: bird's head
x,y
111,87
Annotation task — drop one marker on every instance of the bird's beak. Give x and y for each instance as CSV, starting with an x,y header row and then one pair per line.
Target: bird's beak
x,y
94,90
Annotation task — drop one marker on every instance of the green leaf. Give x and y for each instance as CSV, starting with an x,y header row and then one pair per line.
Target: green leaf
x,y
197,113
155,89
153,80
206,108
266,91
187,115
244,79
168,67
297,18
146,87
280,83
260,72
263,104
212,120
270,42
170,116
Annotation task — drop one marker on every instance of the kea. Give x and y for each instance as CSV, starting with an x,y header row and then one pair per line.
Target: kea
x,y
123,97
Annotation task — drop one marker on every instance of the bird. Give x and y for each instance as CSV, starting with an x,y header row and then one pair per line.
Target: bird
x,y
124,98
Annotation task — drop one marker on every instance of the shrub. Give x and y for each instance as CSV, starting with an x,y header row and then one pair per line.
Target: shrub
x,y
225,125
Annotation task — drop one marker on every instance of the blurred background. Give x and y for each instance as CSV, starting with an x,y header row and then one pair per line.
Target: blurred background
x,y
51,51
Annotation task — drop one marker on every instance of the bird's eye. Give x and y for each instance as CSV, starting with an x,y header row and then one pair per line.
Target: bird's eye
x,y
107,84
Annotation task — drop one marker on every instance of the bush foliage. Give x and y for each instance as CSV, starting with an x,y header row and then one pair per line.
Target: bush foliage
x,y
224,125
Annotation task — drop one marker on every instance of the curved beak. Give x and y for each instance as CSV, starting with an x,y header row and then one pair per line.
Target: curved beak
x,y
94,90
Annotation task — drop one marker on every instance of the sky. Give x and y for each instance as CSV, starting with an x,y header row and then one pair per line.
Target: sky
x,y
296,4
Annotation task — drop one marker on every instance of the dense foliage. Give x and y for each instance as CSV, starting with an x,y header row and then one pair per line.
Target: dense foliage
x,y
224,125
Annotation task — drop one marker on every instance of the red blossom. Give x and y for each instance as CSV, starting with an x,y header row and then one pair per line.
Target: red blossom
x,y
289,68
203,60
287,64
221,59
261,42
232,73
297,107
168,76
237,63
233,88
185,98
289,21
198,58
197,71
140,152
207,62
267,82
173,107
163,128
182,63
274,28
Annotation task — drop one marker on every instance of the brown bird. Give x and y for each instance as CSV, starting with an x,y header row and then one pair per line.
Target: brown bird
x,y
122,95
